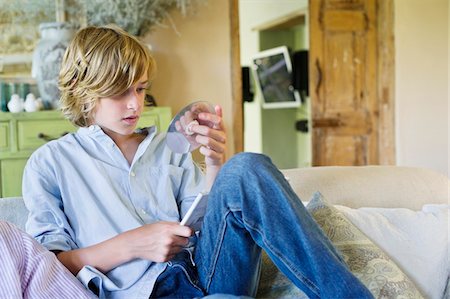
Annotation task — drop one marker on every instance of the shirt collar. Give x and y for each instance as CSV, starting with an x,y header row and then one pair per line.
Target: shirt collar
x,y
95,131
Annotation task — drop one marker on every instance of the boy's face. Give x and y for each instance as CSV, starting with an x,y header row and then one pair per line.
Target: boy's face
x,y
120,114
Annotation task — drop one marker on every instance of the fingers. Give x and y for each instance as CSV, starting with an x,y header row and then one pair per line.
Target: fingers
x,y
214,157
216,143
218,110
204,119
204,131
213,143
211,135
180,230
159,241
173,244
210,125
187,118
182,128
202,127
212,120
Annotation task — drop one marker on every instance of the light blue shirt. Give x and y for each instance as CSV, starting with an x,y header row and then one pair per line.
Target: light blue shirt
x,y
80,190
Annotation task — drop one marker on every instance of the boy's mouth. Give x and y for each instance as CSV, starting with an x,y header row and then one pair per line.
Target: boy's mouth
x,y
132,119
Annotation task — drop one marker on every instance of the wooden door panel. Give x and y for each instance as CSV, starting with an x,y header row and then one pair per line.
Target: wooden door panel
x,y
345,149
344,4
339,73
345,21
344,104
344,123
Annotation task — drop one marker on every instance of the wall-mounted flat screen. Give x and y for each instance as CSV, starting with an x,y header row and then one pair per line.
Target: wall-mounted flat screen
x,y
273,75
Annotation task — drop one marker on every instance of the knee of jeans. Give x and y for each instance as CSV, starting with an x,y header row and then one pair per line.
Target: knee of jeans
x,y
239,164
248,160
245,164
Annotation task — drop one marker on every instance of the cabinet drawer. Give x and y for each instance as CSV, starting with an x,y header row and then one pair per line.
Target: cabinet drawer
x,y
11,172
34,133
4,136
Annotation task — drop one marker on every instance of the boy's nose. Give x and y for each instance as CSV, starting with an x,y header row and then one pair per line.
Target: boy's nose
x,y
133,101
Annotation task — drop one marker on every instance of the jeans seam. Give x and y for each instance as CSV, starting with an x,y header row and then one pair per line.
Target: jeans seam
x,y
188,277
215,254
308,283
298,274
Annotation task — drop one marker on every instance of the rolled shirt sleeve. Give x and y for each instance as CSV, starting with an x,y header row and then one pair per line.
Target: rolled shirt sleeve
x,y
46,221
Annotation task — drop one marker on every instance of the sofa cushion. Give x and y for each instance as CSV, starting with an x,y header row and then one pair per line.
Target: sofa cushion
x,y
416,240
366,260
13,210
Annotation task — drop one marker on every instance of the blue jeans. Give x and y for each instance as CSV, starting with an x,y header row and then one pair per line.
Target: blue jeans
x,y
251,206
179,280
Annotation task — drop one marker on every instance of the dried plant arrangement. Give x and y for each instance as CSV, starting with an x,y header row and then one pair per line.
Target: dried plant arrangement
x,y
137,17
19,22
19,19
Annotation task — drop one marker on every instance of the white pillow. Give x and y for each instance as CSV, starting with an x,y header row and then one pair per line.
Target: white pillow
x,y
418,241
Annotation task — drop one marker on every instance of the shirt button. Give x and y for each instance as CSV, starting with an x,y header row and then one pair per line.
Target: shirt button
x,y
144,212
132,174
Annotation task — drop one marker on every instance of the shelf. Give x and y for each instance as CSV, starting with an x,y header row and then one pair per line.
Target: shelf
x,y
284,22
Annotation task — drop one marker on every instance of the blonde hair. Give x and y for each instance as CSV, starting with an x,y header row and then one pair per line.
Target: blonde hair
x,y
100,62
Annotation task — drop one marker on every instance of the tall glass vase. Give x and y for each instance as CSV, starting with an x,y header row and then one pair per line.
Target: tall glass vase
x,y
47,58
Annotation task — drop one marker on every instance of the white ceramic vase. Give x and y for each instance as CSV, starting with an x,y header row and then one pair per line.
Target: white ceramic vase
x,y
47,58
31,104
15,105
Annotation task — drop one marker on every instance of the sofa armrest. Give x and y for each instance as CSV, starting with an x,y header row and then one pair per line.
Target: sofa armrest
x,y
13,210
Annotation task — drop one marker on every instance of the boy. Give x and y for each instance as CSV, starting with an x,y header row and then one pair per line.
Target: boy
x,y
108,199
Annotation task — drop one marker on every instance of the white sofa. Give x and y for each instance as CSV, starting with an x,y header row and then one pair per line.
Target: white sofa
x,y
403,210
393,190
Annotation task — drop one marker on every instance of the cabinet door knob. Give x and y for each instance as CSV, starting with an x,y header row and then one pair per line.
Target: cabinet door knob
x,y
46,137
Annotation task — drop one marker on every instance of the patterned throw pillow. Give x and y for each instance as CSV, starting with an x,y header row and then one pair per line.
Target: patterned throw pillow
x,y
365,259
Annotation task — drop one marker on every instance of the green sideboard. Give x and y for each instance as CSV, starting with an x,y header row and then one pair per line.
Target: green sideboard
x,y
22,133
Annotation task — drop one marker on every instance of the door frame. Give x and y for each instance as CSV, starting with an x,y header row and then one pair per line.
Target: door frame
x,y
236,79
385,80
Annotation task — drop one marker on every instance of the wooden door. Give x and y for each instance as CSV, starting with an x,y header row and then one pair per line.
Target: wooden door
x,y
351,123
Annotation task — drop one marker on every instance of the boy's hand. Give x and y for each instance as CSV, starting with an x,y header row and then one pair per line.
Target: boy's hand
x,y
211,135
158,242
205,129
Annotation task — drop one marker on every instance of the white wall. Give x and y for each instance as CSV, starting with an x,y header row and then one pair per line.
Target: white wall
x,y
422,49
195,63
251,14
